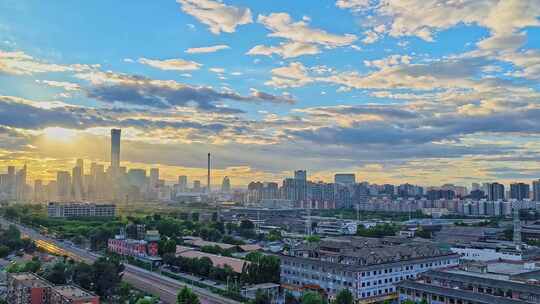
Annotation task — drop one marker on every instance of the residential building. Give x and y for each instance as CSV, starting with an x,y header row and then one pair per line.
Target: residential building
x,y
536,190
495,192
346,179
27,288
519,191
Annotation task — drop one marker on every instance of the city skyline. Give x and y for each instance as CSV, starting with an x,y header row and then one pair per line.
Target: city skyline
x,y
424,92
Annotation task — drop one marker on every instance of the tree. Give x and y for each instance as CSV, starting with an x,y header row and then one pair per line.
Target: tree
x,y
261,298
107,276
4,251
187,296
312,298
83,275
290,298
167,246
344,296
56,274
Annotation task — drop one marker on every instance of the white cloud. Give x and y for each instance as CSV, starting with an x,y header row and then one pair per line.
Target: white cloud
x,y
217,70
285,50
218,16
354,5
20,63
282,26
293,75
68,86
207,49
171,64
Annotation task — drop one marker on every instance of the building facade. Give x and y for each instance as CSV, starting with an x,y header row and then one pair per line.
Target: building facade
x,y
67,210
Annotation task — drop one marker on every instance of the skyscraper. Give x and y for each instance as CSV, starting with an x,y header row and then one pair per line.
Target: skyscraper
x,y
226,185
63,184
495,191
77,183
519,191
115,149
346,179
208,188
536,190
300,183
182,183
154,177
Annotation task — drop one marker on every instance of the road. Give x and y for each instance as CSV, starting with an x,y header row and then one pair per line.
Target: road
x,y
164,287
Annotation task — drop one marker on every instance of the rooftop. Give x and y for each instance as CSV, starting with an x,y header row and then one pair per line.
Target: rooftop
x,y
30,280
219,261
73,292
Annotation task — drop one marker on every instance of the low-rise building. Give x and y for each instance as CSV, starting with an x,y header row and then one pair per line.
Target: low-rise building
x,y
269,289
370,268
28,288
494,250
73,210
69,294
459,286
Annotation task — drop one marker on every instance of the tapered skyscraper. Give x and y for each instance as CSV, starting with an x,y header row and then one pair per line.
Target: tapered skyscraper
x,y
115,149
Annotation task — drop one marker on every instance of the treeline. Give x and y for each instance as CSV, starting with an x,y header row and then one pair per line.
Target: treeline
x,y
11,241
261,269
378,231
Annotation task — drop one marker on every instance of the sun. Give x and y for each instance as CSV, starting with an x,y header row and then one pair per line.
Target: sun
x,y
58,133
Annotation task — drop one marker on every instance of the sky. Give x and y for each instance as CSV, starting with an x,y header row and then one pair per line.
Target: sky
x,y
421,91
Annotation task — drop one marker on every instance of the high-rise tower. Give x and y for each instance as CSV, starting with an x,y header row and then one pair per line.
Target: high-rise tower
x,y
115,149
208,176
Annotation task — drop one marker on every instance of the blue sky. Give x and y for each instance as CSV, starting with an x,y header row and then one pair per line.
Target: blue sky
x,y
437,91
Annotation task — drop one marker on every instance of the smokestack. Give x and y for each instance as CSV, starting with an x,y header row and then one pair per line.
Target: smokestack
x,y
208,176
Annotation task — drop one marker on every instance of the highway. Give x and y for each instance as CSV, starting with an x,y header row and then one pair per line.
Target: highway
x,y
164,287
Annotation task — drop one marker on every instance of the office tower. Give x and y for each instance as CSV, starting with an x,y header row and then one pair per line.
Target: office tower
x,y
345,179
11,182
519,191
77,183
115,149
182,183
196,186
226,185
208,189
300,180
39,191
63,183
80,164
20,184
154,177
536,190
495,192
136,177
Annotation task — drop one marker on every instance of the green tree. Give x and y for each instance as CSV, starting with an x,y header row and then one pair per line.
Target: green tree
x,y
291,299
107,276
56,274
261,298
312,298
4,251
83,275
167,246
344,296
187,296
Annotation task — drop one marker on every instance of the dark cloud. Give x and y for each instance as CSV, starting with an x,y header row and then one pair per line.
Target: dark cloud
x,y
141,91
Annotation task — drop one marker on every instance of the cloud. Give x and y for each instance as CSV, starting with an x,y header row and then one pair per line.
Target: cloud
x,y
171,64
354,5
282,26
141,91
301,38
218,16
207,49
217,70
285,50
67,86
20,63
293,75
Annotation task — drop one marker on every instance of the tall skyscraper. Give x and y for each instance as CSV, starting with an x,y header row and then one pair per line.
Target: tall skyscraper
x,y
154,177
196,186
495,192
63,184
182,183
226,185
208,188
115,149
519,191
77,183
20,184
39,191
300,184
346,179
536,190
